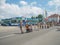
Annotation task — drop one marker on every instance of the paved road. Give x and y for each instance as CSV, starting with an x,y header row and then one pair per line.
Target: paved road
x,y
50,38
15,38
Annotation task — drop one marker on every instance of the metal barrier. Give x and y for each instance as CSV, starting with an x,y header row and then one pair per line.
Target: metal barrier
x,y
44,26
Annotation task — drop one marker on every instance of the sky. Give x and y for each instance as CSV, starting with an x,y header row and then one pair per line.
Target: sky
x,y
28,8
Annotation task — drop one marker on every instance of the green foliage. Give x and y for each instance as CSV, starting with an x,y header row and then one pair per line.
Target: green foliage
x,y
13,21
33,17
40,17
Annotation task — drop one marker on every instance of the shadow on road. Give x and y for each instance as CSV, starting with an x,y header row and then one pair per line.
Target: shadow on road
x,y
19,33
22,33
58,29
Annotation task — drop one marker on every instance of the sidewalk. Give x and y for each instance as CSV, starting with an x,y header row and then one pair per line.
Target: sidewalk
x,y
50,38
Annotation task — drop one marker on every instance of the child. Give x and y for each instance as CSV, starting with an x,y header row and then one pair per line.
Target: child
x,y
27,28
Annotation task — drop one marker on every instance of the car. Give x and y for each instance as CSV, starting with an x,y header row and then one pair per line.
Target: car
x,y
4,24
14,24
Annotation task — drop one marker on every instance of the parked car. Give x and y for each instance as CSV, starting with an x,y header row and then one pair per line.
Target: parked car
x,y
14,24
5,24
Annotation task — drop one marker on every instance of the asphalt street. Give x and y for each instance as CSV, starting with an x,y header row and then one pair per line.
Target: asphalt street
x,y
37,37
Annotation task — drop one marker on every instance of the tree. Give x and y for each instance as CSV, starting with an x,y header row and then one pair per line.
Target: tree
x,y
33,17
40,17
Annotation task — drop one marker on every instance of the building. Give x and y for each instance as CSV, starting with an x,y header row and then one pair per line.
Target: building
x,y
16,21
31,21
54,18
11,21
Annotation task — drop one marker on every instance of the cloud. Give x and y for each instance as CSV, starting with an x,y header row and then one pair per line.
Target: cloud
x,y
12,10
2,2
8,10
50,3
23,3
55,3
51,12
33,3
1,17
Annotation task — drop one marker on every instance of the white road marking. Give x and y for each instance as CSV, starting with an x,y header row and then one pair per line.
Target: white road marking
x,y
6,36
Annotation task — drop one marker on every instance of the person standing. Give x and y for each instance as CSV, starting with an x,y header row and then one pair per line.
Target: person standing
x,y
21,27
31,28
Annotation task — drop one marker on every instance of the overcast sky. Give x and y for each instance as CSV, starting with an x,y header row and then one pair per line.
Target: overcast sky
x,y
28,8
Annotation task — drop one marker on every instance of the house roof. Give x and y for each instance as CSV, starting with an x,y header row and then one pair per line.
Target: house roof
x,y
54,15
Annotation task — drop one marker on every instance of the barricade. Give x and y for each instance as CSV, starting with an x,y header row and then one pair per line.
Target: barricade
x,y
44,26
